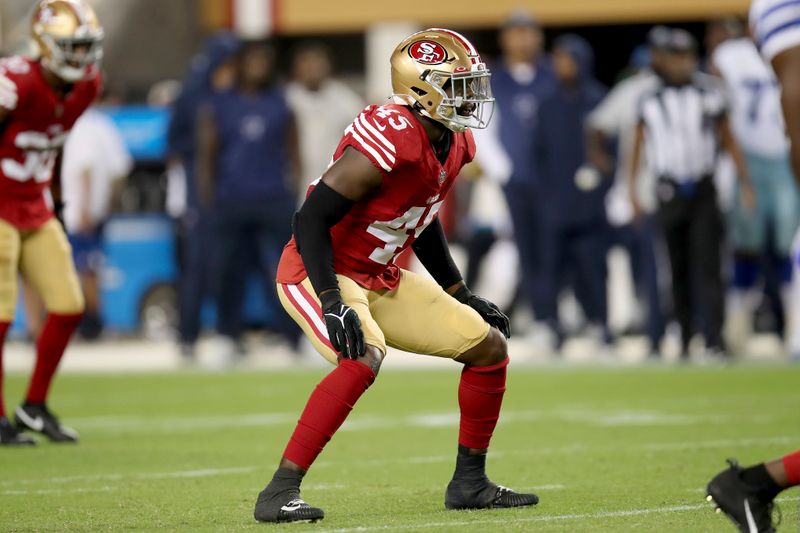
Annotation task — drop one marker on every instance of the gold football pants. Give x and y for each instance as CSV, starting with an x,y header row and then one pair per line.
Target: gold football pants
x,y
418,316
43,257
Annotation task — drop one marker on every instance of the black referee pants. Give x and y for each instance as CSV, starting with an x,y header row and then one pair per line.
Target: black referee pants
x,y
692,226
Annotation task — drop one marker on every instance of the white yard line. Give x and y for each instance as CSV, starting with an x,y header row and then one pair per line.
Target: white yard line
x,y
509,520
41,492
721,443
179,424
574,448
205,472
546,518
423,459
188,424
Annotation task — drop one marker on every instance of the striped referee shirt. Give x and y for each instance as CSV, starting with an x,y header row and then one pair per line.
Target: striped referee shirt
x,y
681,135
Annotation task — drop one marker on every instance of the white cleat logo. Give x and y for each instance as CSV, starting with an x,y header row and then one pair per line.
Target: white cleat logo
x,y
751,522
36,424
293,505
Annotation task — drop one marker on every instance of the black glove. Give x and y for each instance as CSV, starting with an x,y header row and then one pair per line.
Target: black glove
x,y
344,327
488,311
58,212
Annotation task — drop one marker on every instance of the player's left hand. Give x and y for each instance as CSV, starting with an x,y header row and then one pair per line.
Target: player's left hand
x,y
58,212
489,312
343,324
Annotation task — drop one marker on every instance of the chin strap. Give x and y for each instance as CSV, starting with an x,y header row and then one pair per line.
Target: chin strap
x,y
404,99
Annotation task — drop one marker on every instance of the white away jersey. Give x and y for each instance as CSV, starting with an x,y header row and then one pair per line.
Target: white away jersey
x,y
755,97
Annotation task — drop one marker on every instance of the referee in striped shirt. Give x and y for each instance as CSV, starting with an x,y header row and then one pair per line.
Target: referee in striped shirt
x,y
683,124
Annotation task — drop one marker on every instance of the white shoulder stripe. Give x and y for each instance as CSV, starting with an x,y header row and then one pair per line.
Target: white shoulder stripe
x,y
8,93
368,148
774,21
378,135
366,135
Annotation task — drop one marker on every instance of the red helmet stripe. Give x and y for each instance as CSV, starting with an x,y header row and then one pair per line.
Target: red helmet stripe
x,y
78,9
460,38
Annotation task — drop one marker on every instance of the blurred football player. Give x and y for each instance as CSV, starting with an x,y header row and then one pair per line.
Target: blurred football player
x,y
574,232
40,100
615,119
761,240
521,79
212,70
746,495
338,279
323,105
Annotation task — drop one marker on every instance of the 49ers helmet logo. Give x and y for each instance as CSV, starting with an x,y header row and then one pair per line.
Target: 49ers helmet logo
x,y
428,52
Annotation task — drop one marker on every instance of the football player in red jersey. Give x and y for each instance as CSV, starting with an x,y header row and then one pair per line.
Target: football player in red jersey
x,y
338,280
40,100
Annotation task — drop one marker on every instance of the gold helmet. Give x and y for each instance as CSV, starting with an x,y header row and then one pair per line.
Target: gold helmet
x,y
69,36
439,73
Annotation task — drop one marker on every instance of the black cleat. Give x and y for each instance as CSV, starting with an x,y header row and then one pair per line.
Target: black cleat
x,y
463,494
37,417
11,436
745,504
285,506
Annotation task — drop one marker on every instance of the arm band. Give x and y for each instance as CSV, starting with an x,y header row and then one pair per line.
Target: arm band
x,y
434,254
322,210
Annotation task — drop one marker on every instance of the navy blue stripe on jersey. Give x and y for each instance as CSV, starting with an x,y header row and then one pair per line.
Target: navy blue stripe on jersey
x,y
779,29
764,34
776,7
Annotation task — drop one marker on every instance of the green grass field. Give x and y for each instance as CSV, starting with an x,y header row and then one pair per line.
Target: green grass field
x,y
605,449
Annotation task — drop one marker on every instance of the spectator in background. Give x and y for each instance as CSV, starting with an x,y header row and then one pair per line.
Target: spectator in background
x,y
573,229
615,119
684,123
210,71
248,168
717,32
95,165
761,240
323,106
520,80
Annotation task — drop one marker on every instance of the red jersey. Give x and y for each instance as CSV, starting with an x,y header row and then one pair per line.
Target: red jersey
x,y
31,137
382,225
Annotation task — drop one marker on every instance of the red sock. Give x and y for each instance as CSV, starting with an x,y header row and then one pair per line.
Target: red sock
x,y
3,330
326,410
480,395
791,463
49,348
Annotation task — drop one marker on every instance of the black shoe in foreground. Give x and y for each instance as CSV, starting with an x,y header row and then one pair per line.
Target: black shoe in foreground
x,y
38,418
748,505
285,506
11,436
464,494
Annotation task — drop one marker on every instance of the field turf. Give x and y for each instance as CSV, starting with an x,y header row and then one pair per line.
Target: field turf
x,y
606,450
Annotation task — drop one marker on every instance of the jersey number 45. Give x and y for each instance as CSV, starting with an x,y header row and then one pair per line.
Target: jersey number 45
x,y
395,233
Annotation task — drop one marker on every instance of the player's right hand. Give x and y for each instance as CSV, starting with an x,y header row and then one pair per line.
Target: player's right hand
x,y
344,326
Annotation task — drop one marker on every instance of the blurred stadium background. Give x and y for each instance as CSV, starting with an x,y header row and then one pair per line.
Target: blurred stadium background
x,y
149,48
